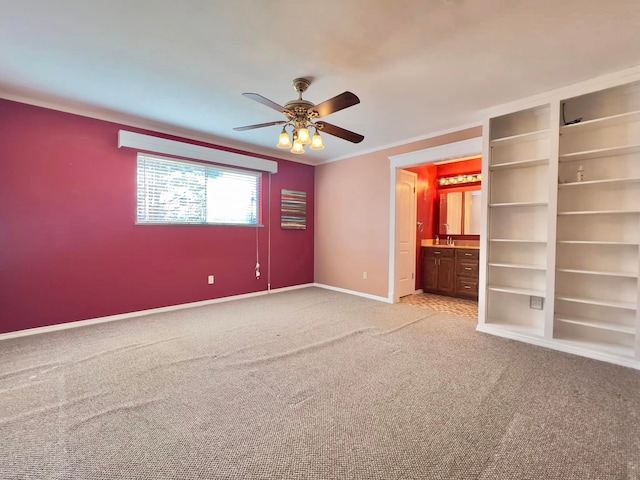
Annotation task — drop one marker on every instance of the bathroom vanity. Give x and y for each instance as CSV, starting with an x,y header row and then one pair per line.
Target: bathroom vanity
x,y
450,270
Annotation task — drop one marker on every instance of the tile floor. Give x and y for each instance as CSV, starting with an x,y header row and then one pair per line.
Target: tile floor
x,y
440,303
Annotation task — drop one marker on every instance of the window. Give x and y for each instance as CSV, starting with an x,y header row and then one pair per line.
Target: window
x,y
181,192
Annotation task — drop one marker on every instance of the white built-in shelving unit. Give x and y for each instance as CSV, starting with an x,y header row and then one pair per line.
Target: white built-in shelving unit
x,y
572,240
517,219
598,243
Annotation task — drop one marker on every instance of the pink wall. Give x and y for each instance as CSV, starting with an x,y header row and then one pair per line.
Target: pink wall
x,y
70,246
352,216
352,205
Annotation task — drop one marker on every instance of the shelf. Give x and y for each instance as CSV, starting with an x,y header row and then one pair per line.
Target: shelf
x,y
599,242
600,182
602,152
601,303
600,273
519,204
517,290
603,122
612,327
520,164
511,240
521,138
600,212
527,330
609,348
520,266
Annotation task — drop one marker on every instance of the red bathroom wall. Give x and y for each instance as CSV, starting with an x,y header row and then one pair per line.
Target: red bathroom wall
x,y
428,199
427,196
70,248
473,165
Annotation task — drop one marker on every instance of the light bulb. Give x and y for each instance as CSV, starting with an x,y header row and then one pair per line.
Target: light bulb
x,y
316,142
284,141
298,148
304,136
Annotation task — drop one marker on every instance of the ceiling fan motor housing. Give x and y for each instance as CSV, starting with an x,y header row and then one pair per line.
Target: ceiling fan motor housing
x,y
300,106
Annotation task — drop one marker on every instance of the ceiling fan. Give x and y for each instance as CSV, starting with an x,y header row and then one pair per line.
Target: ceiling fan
x,y
302,114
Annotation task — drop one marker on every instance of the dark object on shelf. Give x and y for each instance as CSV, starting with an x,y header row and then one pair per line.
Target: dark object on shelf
x,y
564,122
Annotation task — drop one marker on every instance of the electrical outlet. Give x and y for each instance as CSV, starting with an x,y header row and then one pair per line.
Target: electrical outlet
x,y
364,275
210,280
536,303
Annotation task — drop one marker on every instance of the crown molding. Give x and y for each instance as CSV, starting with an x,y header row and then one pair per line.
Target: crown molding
x,y
405,142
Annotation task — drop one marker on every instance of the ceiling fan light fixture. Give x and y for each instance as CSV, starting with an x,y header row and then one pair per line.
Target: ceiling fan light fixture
x,y
298,148
301,115
284,141
316,142
304,136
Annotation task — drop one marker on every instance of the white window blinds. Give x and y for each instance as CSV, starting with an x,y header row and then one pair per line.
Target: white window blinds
x,y
182,192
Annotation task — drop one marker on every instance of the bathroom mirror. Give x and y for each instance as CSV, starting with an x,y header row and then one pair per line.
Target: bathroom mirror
x,y
460,213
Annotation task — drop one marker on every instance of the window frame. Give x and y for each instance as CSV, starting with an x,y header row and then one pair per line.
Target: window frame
x,y
207,166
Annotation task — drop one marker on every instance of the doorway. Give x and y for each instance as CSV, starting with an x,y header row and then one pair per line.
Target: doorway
x,y
465,149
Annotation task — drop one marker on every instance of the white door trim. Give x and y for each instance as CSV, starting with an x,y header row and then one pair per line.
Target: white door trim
x,y
457,150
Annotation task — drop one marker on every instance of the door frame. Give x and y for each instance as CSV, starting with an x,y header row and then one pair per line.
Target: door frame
x,y
462,150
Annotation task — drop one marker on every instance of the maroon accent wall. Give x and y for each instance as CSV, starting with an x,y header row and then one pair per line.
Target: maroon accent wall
x,y
69,246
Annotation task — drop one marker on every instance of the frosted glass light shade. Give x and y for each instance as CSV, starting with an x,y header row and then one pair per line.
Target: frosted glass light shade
x,y
316,142
304,136
298,148
284,141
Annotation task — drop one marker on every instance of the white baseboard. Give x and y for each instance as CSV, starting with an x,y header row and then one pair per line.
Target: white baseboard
x,y
294,287
558,345
141,313
353,292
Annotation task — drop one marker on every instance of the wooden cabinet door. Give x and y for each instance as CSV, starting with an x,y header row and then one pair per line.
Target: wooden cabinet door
x,y
446,273
429,273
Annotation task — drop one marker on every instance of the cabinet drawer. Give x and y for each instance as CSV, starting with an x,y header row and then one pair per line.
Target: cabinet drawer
x,y
467,287
467,268
438,252
467,254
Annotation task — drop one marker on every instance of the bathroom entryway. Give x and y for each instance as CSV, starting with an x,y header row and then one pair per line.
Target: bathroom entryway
x,y
441,303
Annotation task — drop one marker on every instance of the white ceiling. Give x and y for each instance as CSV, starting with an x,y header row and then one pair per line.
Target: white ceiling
x,y
418,66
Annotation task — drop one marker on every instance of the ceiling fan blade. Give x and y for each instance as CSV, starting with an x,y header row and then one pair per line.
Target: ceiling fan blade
x,y
340,132
267,102
335,104
260,125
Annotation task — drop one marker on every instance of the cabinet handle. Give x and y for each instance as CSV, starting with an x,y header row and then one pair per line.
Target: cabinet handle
x,y
437,252
467,286
467,268
468,254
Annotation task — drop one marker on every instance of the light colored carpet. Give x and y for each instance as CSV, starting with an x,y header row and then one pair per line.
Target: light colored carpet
x,y
309,384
